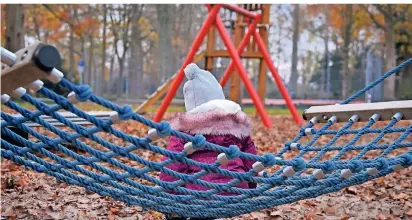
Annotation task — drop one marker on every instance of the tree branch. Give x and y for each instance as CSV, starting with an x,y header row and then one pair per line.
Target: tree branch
x,y
403,13
372,17
383,11
57,16
67,46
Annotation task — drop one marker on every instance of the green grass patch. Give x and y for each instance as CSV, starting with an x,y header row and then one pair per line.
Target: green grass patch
x,y
247,109
175,108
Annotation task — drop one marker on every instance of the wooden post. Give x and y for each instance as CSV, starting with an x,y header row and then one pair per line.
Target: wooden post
x,y
211,41
235,86
262,69
27,65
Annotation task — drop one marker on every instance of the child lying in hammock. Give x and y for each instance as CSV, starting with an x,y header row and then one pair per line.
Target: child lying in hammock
x,y
220,121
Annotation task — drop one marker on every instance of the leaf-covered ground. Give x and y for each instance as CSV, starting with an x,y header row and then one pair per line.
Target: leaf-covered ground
x,y
29,195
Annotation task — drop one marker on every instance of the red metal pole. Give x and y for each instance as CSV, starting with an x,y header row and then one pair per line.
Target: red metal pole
x,y
283,91
242,72
239,10
180,76
242,45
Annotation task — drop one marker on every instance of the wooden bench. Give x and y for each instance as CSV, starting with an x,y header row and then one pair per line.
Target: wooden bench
x,y
103,115
386,111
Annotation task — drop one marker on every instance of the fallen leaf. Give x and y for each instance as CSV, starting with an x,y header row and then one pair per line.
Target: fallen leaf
x,y
409,212
53,214
381,216
114,211
84,200
329,211
401,196
9,212
54,195
276,213
352,190
309,203
258,215
397,211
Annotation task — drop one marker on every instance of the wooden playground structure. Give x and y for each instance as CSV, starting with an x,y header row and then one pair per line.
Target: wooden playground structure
x,y
250,36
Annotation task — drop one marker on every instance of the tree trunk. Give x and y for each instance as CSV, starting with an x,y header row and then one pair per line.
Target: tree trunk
x,y
15,27
295,41
83,76
70,75
390,62
345,50
90,62
136,56
326,72
103,67
112,61
165,43
120,85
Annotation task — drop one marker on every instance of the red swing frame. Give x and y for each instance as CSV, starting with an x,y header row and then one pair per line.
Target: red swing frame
x,y
214,19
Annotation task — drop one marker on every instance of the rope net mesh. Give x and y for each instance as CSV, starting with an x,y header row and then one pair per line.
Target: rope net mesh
x,y
106,159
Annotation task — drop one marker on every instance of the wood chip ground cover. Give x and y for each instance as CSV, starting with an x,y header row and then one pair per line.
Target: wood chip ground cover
x,y
29,195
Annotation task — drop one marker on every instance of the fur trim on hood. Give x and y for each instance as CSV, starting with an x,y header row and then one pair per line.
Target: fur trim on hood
x,y
217,117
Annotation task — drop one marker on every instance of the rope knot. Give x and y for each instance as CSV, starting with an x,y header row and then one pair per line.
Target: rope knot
x,y
88,181
123,151
126,112
356,166
169,186
50,143
199,141
83,92
407,159
45,109
30,116
140,142
299,164
41,168
157,166
383,164
64,103
268,160
233,152
164,128
329,166
83,132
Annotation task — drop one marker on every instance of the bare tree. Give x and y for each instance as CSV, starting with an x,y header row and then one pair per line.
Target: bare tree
x,y
120,19
103,64
347,17
136,53
165,42
295,41
393,15
90,53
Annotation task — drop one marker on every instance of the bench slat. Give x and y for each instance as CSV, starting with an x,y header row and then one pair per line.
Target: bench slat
x,y
69,116
343,112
